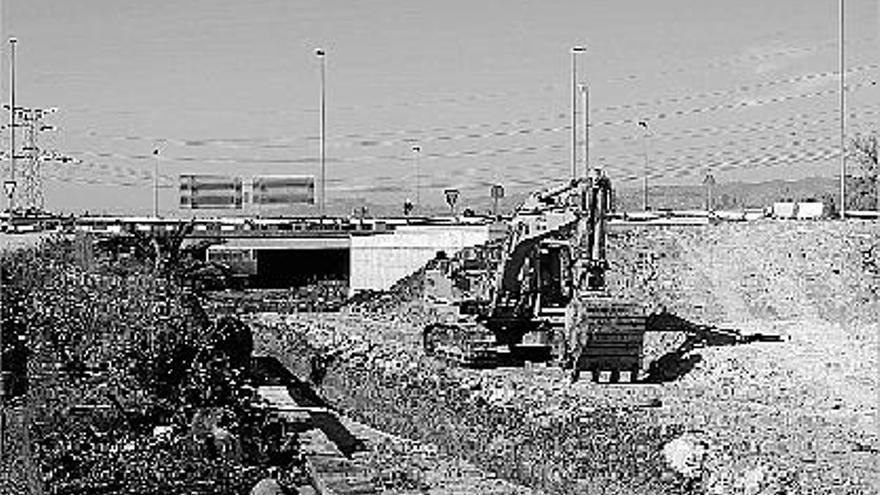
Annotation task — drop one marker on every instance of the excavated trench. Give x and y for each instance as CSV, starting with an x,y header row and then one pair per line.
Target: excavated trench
x,y
542,437
574,451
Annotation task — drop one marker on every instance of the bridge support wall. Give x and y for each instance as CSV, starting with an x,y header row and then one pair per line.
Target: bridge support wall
x,y
378,261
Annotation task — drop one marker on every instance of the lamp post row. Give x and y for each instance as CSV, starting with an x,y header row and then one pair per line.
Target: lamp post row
x,y
575,87
575,51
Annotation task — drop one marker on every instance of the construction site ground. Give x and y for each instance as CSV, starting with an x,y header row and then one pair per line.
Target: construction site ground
x,y
797,416
391,464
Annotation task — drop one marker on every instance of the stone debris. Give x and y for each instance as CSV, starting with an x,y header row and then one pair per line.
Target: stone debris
x,y
685,455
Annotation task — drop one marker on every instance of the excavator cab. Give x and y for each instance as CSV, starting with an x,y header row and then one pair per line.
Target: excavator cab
x,y
554,274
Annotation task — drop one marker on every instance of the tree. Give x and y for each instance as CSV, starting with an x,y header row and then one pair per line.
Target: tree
x,y
864,187
830,202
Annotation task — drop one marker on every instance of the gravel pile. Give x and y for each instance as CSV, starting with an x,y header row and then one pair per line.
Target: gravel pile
x,y
403,292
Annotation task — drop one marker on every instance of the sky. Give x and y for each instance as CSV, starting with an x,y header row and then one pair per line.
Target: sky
x,y
746,90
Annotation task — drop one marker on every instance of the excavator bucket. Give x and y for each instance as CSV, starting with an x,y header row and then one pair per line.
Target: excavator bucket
x,y
605,335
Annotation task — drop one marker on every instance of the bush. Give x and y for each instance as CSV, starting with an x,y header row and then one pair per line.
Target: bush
x,y
115,350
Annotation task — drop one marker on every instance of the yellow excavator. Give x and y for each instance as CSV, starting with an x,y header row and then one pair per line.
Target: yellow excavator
x,y
509,301
540,294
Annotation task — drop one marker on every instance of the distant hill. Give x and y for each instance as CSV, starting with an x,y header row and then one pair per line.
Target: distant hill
x,y
734,195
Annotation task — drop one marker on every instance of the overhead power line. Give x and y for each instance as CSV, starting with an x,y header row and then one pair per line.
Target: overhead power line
x,y
679,164
243,143
749,134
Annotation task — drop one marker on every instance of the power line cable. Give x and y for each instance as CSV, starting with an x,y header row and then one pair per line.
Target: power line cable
x,y
375,139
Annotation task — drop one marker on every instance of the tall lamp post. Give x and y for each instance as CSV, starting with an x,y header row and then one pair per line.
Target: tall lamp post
x,y
842,118
417,150
574,53
709,181
585,96
11,191
644,125
322,57
156,184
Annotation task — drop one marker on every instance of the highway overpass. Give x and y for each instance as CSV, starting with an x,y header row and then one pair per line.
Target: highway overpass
x,y
369,254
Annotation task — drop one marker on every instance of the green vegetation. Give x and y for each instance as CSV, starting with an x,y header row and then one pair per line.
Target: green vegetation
x,y
864,188
121,382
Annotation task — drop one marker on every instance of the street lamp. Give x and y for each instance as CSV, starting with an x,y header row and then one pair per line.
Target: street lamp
x,y
644,125
585,95
709,181
842,118
12,43
321,56
417,150
156,184
574,53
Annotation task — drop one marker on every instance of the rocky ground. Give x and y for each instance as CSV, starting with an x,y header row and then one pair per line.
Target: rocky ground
x,y
807,405
798,416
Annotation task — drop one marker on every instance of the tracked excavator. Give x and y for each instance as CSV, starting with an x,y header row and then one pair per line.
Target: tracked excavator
x,y
511,300
540,294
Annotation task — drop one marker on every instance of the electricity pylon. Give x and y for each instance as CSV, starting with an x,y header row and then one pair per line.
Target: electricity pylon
x,y
31,198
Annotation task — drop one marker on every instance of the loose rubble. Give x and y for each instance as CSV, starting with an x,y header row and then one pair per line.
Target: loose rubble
x,y
791,417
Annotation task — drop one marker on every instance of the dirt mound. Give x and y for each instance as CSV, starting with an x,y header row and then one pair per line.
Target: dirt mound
x,y
803,410
405,290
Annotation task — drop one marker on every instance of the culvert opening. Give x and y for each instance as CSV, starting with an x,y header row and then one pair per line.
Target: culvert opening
x,y
288,268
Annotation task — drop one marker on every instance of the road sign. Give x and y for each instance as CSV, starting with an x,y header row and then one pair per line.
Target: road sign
x,y
284,190
497,191
9,187
451,198
202,191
